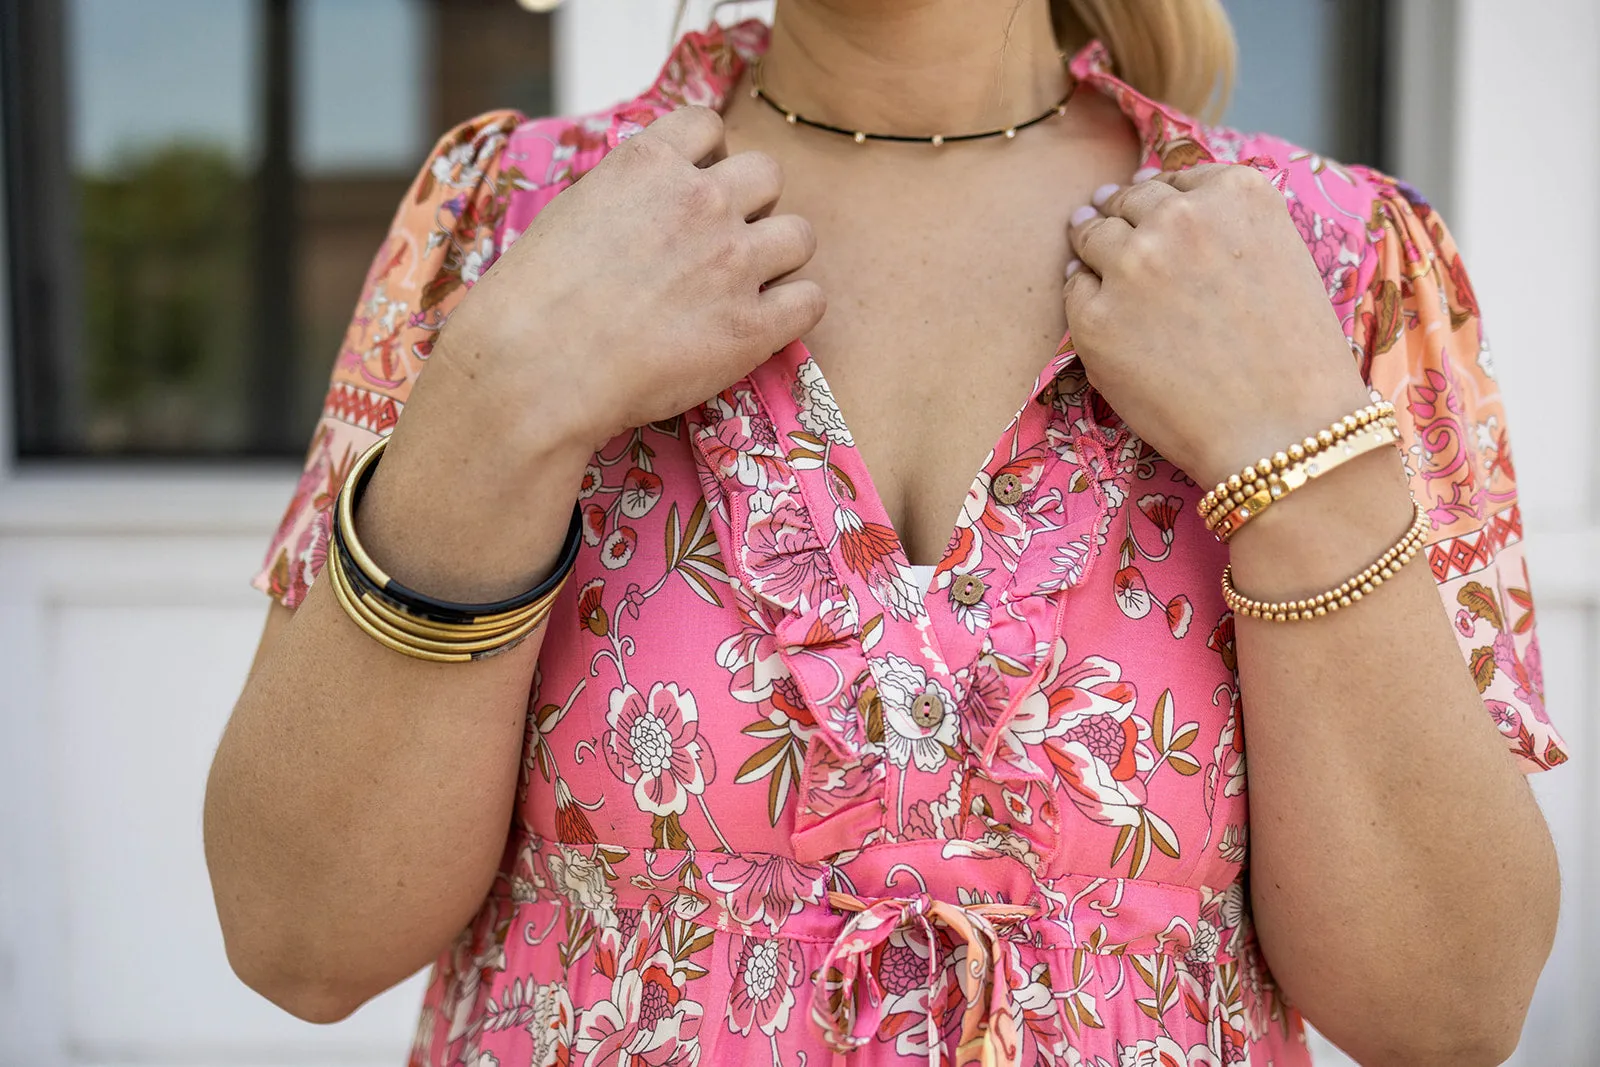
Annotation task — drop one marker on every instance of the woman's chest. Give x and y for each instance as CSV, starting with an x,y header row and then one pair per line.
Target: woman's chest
x,y
746,664
934,334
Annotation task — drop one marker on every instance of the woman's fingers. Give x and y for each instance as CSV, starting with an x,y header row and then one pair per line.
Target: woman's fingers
x,y
788,310
754,181
1096,238
694,132
782,243
1135,203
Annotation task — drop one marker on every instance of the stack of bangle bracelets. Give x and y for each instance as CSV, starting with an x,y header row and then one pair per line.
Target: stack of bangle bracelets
x,y
1235,502
421,626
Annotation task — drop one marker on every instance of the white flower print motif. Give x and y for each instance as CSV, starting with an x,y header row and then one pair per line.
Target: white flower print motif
x,y
582,880
901,684
477,260
654,746
819,412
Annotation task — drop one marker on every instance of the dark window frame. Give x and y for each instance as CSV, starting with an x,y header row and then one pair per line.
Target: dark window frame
x,y
39,207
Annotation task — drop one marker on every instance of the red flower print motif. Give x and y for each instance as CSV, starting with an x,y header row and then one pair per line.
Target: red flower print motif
x,y
653,745
590,483
1133,596
1179,614
866,546
593,522
618,548
572,824
765,974
648,1019
591,614
1163,511
640,491
868,550
1465,297
1221,642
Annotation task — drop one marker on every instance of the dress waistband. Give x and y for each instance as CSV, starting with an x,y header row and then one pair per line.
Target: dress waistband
x,y
768,895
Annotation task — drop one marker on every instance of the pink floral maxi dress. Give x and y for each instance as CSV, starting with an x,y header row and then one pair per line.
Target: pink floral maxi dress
x,y
775,801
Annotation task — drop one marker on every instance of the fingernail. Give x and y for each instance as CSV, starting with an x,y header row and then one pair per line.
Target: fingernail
x,y
1104,193
1084,214
1144,174
1074,265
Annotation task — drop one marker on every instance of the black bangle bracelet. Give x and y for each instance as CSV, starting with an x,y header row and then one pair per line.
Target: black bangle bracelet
x,y
367,576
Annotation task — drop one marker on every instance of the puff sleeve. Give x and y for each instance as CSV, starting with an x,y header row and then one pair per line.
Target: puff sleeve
x,y
1418,330
445,234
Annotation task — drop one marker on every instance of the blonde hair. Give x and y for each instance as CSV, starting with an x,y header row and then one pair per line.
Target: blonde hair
x,y
1180,52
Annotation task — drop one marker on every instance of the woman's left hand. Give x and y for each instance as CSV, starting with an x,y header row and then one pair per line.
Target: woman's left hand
x,y
1201,318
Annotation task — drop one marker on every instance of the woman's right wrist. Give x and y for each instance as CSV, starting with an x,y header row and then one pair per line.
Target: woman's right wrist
x,y
470,504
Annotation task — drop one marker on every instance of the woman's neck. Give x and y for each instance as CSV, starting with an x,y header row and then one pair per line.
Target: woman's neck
x,y
914,67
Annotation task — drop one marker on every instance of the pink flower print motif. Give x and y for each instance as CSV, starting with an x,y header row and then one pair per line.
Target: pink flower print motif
x,y
653,745
1133,596
1092,742
901,686
1524,673
1506,717
591,612
648,1019
746,448
1466,622
787,564
1162,510
766,891
765,973
640,491
1334,251
618,548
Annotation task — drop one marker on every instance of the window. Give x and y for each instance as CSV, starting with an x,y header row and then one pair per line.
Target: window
x,y
194,188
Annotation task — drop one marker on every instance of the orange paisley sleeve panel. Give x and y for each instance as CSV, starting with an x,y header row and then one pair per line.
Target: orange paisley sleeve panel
x,y
1420,332
446,232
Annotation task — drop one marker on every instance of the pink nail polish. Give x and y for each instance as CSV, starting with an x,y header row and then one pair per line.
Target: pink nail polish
x,y
1104,193
1144,174
1074,266
1084,214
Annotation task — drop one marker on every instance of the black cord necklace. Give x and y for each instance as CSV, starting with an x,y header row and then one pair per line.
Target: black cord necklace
x,y
759,92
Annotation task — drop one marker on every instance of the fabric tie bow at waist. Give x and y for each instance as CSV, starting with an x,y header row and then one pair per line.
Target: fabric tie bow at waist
x,y
989,977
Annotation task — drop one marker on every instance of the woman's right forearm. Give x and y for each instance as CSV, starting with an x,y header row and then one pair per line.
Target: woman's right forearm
x,y
359,801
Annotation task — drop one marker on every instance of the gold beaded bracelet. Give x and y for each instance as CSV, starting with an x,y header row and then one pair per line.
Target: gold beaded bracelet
x,y
1242,486
1226,521
1349,592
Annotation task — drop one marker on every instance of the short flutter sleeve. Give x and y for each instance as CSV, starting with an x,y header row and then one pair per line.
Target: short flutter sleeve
x,y
1420,336
445,234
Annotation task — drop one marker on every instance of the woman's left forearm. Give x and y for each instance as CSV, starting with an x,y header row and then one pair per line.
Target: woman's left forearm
x,y
1403,881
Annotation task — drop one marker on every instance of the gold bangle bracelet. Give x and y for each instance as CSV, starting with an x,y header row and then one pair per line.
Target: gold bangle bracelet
x,y
359,608
1239,486
1349,592
1370,438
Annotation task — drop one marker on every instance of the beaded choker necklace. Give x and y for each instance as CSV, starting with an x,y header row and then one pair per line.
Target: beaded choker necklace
x,y
759,92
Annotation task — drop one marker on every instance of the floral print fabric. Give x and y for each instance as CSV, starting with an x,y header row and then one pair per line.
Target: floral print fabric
x,y
777,803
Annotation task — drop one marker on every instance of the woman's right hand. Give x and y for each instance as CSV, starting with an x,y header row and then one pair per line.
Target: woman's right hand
x,y
646,287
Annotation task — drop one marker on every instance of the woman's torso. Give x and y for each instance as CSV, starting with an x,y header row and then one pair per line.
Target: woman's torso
x,y
745,701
